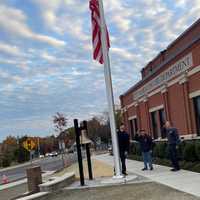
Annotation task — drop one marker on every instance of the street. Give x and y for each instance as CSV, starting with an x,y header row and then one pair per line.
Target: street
x,y
47,164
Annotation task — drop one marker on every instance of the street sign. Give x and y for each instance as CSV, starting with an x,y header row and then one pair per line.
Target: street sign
x,y
29,144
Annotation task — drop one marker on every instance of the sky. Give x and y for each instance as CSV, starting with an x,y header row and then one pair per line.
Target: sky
x,y
46,63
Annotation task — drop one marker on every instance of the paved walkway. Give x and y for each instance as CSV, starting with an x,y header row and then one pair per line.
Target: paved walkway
x,y
183,180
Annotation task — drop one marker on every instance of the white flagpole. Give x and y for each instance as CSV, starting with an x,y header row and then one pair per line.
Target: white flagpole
x,y
109,91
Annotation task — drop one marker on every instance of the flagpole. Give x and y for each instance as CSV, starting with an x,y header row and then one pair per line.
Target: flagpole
x,y
109,91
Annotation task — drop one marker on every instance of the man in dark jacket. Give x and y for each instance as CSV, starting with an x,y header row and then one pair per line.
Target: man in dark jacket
x,y
146,145
123,138
173,142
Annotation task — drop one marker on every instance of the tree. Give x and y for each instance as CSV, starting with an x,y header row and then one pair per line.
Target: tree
x,y
93,129
9,144
99,126
22,154
60,122
9,147
118,117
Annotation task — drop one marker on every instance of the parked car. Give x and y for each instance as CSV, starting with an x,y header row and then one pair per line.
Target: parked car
x,y
54,154
41,156
47,154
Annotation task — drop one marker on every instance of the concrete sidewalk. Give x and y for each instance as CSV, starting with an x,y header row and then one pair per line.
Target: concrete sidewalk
x,y
183,180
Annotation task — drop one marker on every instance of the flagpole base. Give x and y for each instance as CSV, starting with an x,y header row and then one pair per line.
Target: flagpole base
x,y
119,179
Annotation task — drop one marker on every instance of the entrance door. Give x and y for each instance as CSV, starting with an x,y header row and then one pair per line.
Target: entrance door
x,y
197,113
154,124
133,127
162,122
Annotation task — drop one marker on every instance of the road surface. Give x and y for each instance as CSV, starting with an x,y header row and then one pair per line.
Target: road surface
x,y
47,164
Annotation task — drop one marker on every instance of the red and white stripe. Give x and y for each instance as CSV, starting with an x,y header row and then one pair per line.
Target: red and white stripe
x,y
96,32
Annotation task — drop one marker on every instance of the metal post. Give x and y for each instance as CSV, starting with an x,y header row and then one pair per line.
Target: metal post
x,y
63,162
109,91
31,158
88,154
78,146
89,161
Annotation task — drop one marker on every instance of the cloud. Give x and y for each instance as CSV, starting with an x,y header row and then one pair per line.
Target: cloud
x,y
8,49
13,21
124,53
181,3
119,14
62,23
48,57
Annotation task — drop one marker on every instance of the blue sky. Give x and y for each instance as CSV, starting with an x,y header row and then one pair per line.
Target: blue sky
x,y
46,61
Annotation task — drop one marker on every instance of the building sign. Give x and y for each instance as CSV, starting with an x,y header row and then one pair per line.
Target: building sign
x,y
179,67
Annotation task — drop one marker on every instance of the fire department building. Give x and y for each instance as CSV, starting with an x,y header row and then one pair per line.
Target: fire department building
x,y
169,90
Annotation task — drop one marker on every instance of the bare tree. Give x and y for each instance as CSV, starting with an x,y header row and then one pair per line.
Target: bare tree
x,y
60,122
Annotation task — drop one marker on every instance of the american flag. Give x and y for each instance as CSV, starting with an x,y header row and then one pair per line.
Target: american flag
x,y
96,32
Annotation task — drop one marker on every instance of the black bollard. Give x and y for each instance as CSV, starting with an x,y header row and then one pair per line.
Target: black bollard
x,y
88,153
78,146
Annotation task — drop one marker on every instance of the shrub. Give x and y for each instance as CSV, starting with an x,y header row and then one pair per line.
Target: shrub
x,y
160,161
135,157
6,162
181,150
138,149
189,153
196,168
197,149
135,148
132,148
160,150
187,165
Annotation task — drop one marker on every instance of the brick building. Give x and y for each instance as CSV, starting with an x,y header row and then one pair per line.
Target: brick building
x,y
169,90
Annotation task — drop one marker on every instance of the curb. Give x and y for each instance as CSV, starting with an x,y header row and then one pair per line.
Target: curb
x,y
13,184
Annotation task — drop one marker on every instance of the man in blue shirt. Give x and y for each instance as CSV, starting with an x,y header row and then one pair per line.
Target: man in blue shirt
x,y
173,142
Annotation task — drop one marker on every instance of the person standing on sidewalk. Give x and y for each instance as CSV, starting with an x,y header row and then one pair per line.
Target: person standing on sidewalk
x,y
146,146
173,142
123,138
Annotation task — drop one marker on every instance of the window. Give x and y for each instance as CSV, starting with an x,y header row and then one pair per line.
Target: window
x,y
162,122
154,124
197,113
133,127
157,122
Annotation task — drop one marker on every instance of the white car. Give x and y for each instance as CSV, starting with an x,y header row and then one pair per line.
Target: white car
x,y
54,154
41,156
47,154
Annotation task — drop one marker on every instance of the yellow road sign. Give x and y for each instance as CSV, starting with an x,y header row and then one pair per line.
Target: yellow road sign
x,y
29,144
